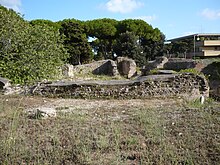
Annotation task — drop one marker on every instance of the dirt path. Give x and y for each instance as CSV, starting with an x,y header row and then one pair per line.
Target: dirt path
x,y
30,102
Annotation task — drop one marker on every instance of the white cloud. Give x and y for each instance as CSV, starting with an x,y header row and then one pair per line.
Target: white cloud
x,y
148,19
12,4
211,14
122,6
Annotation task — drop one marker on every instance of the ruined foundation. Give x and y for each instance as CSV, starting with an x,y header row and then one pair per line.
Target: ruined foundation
x,y
188,86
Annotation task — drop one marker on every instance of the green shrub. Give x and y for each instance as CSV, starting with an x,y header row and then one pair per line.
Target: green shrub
x,y
213,70
154,71
28,53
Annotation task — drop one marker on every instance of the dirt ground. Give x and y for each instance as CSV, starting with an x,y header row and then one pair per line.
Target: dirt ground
x,y
92,103
127,132
100,109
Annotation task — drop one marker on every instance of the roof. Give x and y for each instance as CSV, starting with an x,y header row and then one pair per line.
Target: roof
x,y
196,35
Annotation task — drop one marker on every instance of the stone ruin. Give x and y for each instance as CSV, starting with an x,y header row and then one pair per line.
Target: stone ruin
x,y
4,83
187,86
175,64
123,66
67,70
179,64
108,67
126,67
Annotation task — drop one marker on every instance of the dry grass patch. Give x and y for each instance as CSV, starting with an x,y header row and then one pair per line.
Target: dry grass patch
x,y
110,132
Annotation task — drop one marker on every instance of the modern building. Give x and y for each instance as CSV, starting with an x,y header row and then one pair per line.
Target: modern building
x,y
201,45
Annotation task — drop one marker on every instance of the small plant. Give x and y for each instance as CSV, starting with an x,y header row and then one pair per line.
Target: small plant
x,y
154,71
197,103
191,70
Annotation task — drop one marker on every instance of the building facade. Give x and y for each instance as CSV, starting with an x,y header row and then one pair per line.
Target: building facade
x,y
200,45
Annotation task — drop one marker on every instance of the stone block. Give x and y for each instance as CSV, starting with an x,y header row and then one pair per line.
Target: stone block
x,y
4,83
158,63
67,70
109,68
178,64
41,113
126,67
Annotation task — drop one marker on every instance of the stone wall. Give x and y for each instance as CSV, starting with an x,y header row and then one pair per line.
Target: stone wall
x,y
188,86
158,63
107,67
178,64
123,66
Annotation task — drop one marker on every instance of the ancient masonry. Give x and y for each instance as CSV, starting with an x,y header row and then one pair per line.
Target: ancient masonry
x,y
188,86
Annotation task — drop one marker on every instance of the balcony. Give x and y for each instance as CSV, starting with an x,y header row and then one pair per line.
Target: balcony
x,y
211,53
208,43
204,53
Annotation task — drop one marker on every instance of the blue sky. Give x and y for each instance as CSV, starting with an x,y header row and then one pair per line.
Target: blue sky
x,y
173,17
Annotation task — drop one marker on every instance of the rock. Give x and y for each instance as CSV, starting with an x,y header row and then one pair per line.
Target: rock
x,y
67,70
179,63
165,72
41,113
8,89
4,83
158,63
202,99
126,67
14,90
109,68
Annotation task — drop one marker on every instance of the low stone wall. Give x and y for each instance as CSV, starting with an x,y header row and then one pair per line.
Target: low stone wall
x,y
123,66
188,86
107,67
178,64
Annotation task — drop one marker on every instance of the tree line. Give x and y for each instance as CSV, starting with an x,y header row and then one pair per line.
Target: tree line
x,y
33,50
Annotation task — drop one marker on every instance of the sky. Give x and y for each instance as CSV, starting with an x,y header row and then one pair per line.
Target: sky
x,y
174,18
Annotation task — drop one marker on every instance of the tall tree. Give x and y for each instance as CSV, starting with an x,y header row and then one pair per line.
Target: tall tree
x,y
76,42
128,45
42,22
182,46
150,39
153,44
104,30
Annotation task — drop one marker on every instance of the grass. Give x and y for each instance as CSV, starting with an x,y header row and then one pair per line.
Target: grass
x,y
192,70
174,134
90,76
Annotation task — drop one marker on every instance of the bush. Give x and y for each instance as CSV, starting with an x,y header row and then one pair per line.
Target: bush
x,y
28,53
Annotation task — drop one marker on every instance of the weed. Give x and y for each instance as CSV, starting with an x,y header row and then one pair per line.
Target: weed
x,y
191,70
174,134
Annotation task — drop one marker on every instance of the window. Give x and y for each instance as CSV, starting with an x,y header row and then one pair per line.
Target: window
x,y
217,47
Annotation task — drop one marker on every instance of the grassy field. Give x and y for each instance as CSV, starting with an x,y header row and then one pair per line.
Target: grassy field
x,y
126,132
